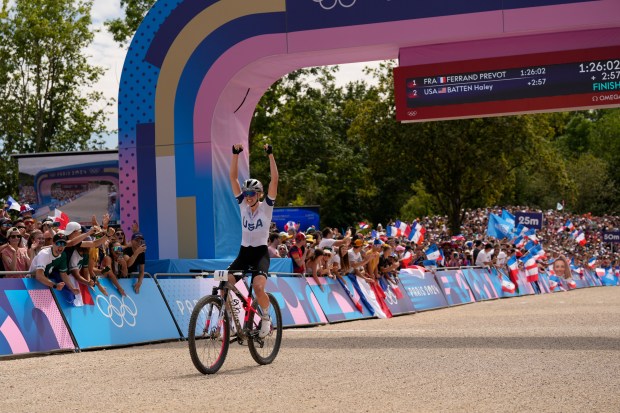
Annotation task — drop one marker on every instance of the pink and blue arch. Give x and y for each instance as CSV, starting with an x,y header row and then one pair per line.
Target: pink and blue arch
x,y
195,71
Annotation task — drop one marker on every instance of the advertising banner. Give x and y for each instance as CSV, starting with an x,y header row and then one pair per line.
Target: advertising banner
x,y
338,303
455,287
297,303
114,320
305,217
580,281
482,286
30,321
182,295
421,287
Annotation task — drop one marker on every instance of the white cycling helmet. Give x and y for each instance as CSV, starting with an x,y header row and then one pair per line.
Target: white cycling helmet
x,y
252,185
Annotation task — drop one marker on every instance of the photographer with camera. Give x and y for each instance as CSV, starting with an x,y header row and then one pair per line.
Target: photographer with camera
x,y
135,258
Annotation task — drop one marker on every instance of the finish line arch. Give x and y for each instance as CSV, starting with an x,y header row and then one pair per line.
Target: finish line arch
x,y
195,71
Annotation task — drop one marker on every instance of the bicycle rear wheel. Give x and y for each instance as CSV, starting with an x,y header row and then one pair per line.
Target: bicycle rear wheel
x,y
265,350
208,340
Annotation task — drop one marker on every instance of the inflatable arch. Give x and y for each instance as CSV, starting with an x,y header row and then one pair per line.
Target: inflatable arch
x,y
196,69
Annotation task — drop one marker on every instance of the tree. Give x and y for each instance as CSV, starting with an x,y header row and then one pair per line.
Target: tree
x,y
123,29
45,75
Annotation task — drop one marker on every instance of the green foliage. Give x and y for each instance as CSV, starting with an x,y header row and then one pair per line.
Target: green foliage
x,y
45,77
123,29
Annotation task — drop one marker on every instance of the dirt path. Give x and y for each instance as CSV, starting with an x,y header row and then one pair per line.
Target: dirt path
x,y
550,353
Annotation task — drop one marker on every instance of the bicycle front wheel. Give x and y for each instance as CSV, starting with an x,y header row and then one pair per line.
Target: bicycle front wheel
x,y
264,350
208,338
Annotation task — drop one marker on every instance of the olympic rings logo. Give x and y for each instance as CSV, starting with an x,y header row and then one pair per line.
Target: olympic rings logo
x,y
120,311
325,4
412,113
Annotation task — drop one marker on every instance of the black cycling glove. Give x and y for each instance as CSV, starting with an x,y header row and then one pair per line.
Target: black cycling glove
x,y
237,151
269,149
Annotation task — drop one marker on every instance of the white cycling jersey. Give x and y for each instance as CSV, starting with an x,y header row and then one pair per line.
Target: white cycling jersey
x,y
255,226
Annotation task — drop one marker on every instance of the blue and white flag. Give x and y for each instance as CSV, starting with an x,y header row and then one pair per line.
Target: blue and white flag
x,y
498,227
509,218
13,204
432,253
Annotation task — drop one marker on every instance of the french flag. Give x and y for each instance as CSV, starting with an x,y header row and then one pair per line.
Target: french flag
x,y
600,272
571,284
417,233
403,229
531,268
391,231
580,238
513,269
520,241
508,287
592,262
569,225
531,234
442,79
363,225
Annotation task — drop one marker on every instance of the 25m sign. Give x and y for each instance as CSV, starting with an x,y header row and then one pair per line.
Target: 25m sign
x,y
529,219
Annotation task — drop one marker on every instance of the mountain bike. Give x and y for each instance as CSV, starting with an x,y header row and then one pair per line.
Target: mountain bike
x,y
209,334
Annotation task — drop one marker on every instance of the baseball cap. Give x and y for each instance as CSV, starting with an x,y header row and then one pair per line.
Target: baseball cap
x,y
309,238
72,227
300,236
137,235
59,237
358,243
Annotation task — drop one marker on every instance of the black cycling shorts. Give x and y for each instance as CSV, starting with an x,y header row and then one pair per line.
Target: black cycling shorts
x,y
255,257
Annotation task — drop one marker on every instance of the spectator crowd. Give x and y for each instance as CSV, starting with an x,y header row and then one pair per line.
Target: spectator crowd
x,y
50,250
68,256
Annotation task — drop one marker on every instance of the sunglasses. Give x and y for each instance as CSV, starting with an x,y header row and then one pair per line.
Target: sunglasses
x,y
15,236
249,193
6,224
120,233
21,227
117,249
60,244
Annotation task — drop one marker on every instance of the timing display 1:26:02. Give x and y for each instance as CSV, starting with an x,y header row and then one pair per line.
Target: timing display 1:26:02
x,y
601,66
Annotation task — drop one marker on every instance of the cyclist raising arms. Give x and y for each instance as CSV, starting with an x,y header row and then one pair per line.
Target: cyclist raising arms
x,y
255,221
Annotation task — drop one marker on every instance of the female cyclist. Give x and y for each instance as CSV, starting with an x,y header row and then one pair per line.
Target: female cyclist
x,y
255,222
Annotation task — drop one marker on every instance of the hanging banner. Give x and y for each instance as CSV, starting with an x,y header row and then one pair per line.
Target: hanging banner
x,y
395,297
30,321
422,289
115,320
482,286
525,287
455,287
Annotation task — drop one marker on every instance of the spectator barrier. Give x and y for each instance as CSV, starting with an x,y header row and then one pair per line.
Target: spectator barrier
x,y
115,320
30,321
182,266
298,305
33,319
455,287
422,289
481,284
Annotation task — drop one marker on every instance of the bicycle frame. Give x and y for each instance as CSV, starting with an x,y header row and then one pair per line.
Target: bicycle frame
x,y
224,290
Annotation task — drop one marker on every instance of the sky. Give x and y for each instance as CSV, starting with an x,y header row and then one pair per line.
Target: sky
x,y
106,53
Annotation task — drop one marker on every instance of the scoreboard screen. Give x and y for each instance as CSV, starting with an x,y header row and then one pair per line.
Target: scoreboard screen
x,y
566,80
